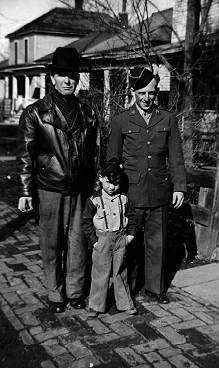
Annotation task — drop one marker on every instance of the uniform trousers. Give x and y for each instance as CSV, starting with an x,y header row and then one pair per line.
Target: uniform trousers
x,y
62,245
109,254
147,258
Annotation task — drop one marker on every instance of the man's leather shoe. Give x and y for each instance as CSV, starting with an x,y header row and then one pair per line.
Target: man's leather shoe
x,y
163,299
190,259
57,307
77,303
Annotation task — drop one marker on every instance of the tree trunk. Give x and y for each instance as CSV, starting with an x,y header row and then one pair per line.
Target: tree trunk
x,y
192,28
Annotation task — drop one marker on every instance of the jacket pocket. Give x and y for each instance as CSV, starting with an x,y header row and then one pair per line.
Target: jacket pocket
x,y
162,178
134,177
131,130
44,161
49,166
162,128
133,139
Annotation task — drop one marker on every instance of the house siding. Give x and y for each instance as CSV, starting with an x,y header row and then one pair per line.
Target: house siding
x,y
38,46
47,44
212,24
180,16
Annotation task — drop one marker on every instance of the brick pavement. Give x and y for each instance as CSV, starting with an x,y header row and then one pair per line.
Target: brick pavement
x,y
182,334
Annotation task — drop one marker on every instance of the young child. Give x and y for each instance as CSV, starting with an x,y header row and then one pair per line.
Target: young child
x,y
109,224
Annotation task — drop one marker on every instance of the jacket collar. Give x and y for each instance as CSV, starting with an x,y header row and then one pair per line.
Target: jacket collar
x,y
51,113
136,118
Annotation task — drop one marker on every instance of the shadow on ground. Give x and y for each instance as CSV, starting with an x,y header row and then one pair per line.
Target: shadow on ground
x,y
13,354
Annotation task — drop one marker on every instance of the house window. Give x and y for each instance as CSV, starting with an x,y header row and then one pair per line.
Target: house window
x,y
26,50
15,52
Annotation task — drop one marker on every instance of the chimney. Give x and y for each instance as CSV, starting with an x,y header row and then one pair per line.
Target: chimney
x,y
123,19
79,4
123,16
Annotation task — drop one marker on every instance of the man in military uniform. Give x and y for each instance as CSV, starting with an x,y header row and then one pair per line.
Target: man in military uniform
x,y
147,141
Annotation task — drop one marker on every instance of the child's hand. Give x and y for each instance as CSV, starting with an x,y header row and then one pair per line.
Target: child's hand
x,y
129,239
95,245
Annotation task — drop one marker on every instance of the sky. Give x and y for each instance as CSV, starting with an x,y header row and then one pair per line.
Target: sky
x,y
15,13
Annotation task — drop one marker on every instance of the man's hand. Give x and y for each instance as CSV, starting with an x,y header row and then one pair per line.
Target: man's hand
x,y
129,239
178,198
25,204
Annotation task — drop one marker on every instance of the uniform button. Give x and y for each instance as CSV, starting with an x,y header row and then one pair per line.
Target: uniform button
x,y
147,131
149,169
149,156
149,142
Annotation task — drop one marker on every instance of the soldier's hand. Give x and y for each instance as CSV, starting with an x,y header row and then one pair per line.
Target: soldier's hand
x,y
129,239
25,204
178,198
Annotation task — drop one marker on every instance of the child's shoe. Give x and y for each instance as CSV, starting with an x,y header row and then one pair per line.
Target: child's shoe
x,y
91,313
132,311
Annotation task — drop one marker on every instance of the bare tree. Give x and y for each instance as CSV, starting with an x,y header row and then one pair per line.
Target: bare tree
x,y
136,37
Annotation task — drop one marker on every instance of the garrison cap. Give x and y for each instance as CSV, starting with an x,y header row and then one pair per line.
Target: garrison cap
x,y
141,81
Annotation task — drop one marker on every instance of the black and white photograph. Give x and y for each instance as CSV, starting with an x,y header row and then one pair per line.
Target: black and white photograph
x,y
109,183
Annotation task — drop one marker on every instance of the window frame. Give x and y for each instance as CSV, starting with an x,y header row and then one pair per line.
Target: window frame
x,y
16,52
26,50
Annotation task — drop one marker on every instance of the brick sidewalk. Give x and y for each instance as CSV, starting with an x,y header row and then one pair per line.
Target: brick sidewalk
x,y
182,334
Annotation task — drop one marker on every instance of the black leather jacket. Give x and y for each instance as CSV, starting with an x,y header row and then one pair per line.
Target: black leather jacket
x,y
53,156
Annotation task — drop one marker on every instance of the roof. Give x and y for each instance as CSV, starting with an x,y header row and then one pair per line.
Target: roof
x,y
65,21
4,63
84,43
160,28
160,25
106,42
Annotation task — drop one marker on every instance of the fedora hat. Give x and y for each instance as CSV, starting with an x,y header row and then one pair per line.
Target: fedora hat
x,y
65,60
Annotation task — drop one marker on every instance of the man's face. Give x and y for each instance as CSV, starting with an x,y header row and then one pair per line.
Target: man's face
x,y
145,96
64,84
108,187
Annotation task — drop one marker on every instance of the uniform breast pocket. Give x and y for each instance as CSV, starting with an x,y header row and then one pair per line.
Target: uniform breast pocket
x,y
162,134
132,139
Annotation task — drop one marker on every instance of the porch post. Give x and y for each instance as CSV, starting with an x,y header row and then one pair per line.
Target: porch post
x,y
107,94
14,91
42,84
27,88
6,87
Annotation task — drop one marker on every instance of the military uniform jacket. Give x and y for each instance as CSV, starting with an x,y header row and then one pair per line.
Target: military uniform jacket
x,y
151,154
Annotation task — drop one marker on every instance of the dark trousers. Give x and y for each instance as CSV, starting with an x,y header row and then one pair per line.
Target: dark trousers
x,y
147,258
62,245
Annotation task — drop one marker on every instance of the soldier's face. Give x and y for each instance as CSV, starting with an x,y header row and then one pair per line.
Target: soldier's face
x,y
145,96
64,84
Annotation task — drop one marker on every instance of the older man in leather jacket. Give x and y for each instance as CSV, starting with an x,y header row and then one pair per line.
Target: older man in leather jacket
x,y
57,156
147,141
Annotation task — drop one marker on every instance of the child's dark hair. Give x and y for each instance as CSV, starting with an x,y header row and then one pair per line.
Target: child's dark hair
x,y
112,170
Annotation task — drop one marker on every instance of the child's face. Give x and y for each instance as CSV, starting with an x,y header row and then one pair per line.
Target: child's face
x,y
109,187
